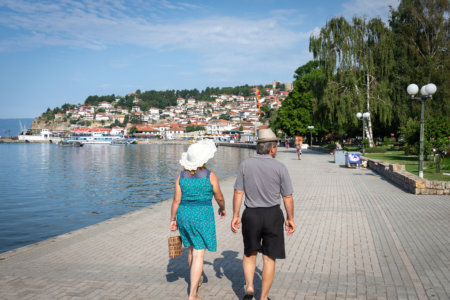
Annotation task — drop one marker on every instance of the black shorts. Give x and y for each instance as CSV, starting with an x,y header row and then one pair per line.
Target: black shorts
x,y
262,229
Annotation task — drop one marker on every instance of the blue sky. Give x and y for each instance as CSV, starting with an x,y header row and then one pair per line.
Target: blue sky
x,y
56,52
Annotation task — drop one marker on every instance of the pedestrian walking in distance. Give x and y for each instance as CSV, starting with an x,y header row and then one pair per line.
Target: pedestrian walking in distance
x,y
192,211
264,181
298,148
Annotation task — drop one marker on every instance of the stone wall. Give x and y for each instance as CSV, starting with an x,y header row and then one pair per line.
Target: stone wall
x,y
397,174
410,182
239,145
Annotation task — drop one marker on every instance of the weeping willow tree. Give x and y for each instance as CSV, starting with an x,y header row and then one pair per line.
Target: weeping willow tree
x,y
422,54
358,60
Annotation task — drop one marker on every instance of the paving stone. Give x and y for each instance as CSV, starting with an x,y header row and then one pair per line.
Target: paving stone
x,y
358,236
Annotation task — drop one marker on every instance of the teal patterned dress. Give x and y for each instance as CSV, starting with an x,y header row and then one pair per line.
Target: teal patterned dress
x,y
195,215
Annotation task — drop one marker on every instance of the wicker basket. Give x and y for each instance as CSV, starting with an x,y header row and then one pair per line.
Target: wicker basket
x,y
175,247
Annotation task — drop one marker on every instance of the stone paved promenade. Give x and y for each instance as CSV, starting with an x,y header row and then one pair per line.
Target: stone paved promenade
x,y
357,236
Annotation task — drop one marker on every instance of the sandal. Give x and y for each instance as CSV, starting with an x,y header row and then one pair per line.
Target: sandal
x,y
248,295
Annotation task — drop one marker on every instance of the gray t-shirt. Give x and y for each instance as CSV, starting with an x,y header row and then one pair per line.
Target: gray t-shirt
x,y
264,180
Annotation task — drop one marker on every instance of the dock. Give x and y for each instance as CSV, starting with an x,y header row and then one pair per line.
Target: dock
x,y
358,236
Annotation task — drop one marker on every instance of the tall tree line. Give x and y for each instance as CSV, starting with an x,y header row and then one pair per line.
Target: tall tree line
x,y
366,65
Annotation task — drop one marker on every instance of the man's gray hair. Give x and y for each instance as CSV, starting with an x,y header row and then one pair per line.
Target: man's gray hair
x,y
264,148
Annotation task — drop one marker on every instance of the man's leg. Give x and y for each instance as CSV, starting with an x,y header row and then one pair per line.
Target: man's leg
x,y
267,276
249,266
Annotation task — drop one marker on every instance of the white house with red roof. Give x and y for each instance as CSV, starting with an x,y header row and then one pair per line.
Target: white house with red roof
x,y
75,116
153,111
87,108
180,101
59,116
276,104
101,117
175,131
119,118
218,126
146,131
88,116
116,130
105,105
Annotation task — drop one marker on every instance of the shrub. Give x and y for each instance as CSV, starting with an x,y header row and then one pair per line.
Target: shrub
x,y
375,150
331,147
352,148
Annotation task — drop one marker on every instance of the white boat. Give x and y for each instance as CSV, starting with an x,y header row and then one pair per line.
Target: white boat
x,y
44,136
94,138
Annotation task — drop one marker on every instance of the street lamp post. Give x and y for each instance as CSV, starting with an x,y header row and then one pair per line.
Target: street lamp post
x,y
363,117
310,134
427,92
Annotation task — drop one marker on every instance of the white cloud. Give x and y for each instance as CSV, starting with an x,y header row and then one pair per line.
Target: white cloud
x,y
226,46
369,8
99,26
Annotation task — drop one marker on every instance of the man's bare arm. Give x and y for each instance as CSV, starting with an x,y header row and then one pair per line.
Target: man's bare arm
x,y
237,202
289,206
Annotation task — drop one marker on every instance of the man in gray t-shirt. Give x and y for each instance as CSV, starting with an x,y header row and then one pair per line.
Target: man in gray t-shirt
x,y
264,181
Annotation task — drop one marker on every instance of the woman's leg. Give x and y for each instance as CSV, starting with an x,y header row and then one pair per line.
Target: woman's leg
x,y
190,256
196,271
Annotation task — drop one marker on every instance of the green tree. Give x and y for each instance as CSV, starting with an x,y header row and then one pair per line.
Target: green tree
x,y
357,59
437,132
95,100
296,113
421,50
193,128
132,130
135,119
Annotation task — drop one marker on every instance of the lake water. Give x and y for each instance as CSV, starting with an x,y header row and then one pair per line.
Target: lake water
x,y
48,190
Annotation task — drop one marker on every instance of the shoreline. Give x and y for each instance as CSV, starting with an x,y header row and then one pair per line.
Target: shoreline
x,y
138,142
107,213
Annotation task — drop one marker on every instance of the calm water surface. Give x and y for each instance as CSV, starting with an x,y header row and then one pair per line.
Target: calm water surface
x,y
47,190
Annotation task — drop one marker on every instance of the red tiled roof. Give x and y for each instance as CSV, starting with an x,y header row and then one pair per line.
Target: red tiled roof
x,y
142,128
93,129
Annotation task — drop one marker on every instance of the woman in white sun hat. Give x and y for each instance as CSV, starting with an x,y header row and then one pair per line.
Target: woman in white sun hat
x,y
192,212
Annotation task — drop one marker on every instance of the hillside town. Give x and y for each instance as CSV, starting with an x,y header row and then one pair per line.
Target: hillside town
x,y
225,117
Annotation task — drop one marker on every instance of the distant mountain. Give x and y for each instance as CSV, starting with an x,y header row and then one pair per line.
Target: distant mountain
x,y
12,127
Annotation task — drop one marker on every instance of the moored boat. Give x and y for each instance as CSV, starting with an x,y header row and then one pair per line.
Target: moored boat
x,y
45,135
124,141
67,143
95,136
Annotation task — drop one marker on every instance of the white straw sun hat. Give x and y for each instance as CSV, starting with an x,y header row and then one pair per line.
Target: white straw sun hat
x,y
198,154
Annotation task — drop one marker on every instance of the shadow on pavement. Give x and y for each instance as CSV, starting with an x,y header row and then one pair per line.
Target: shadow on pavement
x,y
178,267
230,266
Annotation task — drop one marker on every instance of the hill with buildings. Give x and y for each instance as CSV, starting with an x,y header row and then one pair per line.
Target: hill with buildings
x,y
171,113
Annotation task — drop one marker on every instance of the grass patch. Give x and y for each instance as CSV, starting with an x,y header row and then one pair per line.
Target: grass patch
x,y
411,163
